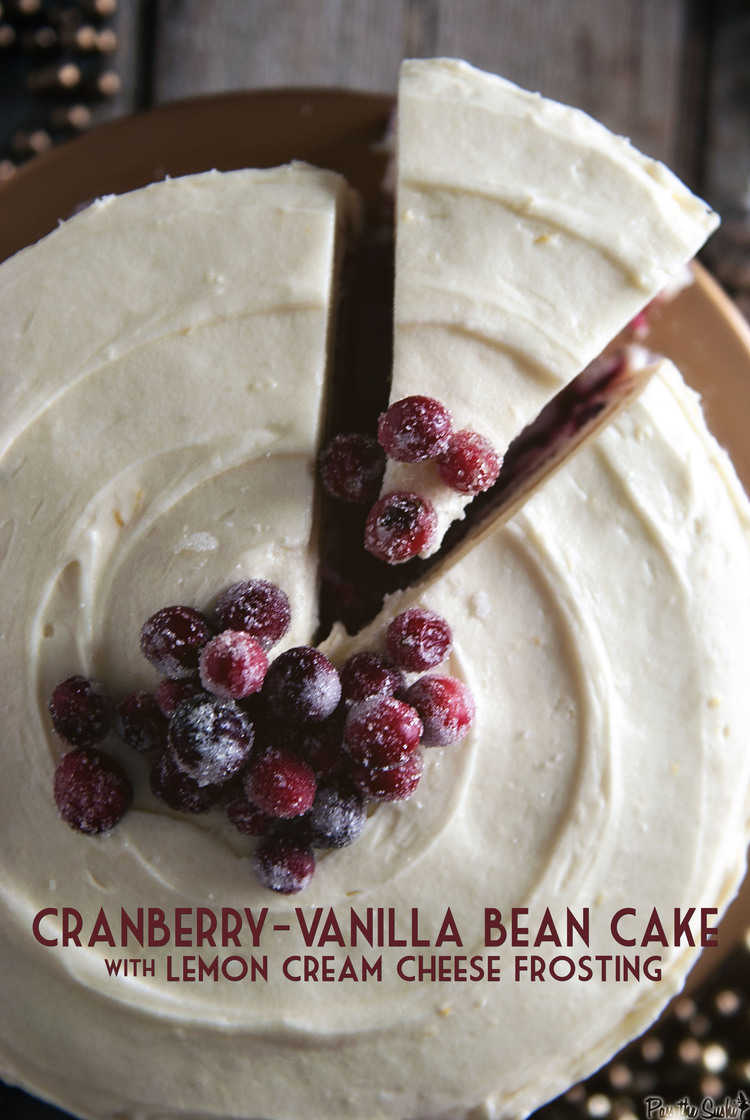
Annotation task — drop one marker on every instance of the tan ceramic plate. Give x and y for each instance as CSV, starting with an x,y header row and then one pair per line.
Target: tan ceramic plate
x,y
700,330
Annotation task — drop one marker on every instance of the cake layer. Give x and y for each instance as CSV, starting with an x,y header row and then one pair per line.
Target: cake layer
x,y
527,236
608,666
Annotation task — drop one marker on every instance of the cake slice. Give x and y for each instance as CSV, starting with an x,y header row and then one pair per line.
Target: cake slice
x,y
527,236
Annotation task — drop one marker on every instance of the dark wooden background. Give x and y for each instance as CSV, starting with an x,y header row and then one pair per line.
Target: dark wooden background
x,y
674,75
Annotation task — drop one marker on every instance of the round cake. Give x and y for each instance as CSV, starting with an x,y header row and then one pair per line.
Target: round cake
x,y
159,443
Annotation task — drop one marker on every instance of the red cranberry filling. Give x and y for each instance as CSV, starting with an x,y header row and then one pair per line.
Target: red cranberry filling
x,y
352,467
92,791
233,665
446,708
415,429
400,526
382,732
172,640
81,713
470,464
258,607
419,639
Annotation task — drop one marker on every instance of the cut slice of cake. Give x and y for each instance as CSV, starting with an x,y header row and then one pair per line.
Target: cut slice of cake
x,y
527,236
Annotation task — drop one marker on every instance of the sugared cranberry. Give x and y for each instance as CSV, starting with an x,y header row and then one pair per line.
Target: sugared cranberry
x,y
92,791
81,713
382,732
258,607
321,744
141,723
395,784
336,818
368,674
210,740
280,783
418,639
400,526
415,429
248,818
470,464
446,708
177,790
172,640
352,467
302,685
171,693
233,665
283,864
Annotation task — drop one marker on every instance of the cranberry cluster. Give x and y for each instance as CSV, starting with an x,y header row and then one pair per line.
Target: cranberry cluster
x,y
416,429
292,749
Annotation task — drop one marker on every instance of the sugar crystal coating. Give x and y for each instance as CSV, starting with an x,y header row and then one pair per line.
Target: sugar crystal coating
x,y
415,429
418,639
92,791
302,685
233,665
141,723
337,817
81,713
209,739
381,732
283,864
258,607
399,526
396,784
280,783
369,674
352,467
446,708
179,791
470,464
172,640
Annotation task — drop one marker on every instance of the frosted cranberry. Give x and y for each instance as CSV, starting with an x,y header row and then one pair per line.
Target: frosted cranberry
x,y
395,784
248,818
258,607
400,526
415,429
302,685
141,723
446,708
418,639
336,818
172,640
233,665
280,783
321,745
171,693
470,464
210,740
382,732
81,713
352,468
177,790
283,864
368,674
92,791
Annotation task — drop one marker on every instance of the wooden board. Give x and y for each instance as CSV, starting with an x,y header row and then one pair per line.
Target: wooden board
x,y
700,329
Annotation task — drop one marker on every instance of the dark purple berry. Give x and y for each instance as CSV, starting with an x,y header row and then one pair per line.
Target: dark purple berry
x,y
172,640
210,740
400,526
446,708
470,464
177,790
141,723
352,468
171,693
280,783
258,607
248,818
395,784
81,713
368,674
283,864
233,665
418,639
92,791
336,818
415,429
382,732
302,685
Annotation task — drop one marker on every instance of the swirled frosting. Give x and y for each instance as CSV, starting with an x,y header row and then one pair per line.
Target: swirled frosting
x,y
527,236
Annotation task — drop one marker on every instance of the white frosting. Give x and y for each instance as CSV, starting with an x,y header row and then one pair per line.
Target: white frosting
x,y
527,236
